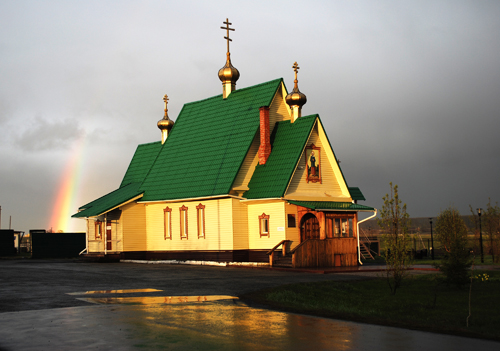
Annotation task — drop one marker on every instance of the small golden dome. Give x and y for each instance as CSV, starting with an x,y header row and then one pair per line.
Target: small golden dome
x,y
296,98
229,73
165,122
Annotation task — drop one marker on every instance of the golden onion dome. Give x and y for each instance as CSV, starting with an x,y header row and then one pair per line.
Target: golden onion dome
x,y
296,98
228,73
165,122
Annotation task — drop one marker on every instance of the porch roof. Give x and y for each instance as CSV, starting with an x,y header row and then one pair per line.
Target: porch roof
x,y
109,201
331,206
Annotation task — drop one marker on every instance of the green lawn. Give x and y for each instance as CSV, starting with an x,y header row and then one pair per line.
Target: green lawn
x,y
423,302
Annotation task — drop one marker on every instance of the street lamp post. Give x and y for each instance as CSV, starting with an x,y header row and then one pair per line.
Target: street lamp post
x,y
480,234
432,241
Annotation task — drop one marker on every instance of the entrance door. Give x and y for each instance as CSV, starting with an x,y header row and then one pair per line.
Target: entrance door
x,y
108,236
310,227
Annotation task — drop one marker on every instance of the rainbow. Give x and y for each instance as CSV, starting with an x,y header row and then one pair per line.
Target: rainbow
x,y
65,200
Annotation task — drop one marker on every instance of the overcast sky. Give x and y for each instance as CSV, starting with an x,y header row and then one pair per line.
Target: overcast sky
x,y
409,91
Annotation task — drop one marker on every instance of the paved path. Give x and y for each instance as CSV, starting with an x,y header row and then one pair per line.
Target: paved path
x,y
43,306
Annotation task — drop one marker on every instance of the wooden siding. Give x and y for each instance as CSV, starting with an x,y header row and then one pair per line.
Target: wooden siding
x,y
278,110
133,220
277,219
292,234
94,246
326,253
331,187
240,225
218,226
248,166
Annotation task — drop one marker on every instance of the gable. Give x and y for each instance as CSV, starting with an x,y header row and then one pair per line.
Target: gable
x,y
108,202
287,142
332,185
278,111
207,145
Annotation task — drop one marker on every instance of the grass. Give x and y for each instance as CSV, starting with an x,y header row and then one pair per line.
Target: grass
x,y
424,302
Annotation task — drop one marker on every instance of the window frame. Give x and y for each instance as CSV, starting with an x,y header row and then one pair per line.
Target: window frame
x,y
183,222
263,218
200,218
98,230
292,215
167,227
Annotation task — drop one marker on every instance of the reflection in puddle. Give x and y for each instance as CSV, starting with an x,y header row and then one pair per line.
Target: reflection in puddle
x,y
152,300
123,291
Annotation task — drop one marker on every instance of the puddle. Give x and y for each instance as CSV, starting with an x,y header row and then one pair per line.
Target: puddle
x,y
123,291
153,300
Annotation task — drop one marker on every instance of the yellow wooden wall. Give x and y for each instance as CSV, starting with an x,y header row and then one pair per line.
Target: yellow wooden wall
x,y
292,234
277,219
240,225
133,222
93,246
332,187
278,109
218,226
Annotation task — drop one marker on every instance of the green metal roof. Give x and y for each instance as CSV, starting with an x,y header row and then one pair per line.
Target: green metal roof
x,y
356,193
141,163
287,143
207,145
109,201
330,205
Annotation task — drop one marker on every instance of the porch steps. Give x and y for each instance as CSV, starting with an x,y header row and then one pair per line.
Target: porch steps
x,y
365,251
285,261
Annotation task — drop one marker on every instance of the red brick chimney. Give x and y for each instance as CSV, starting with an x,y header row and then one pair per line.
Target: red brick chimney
x,y
265,135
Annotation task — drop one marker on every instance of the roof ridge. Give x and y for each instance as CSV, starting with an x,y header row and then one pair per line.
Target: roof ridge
x,y
235,91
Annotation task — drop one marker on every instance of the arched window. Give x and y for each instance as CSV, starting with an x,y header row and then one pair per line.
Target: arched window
x,y
264,225
184,221
167,223
98,229
200,215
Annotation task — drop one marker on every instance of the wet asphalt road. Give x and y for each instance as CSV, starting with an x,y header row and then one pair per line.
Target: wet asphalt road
x,y
37,313
27,284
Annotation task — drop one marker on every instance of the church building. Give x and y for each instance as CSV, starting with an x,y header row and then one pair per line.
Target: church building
x,y
239,177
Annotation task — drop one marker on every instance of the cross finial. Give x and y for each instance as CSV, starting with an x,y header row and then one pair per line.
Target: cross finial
x,y
227,23
296,70
165,98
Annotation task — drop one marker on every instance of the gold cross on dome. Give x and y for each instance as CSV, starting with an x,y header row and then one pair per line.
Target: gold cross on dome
x,y
165,98
295,69
227,23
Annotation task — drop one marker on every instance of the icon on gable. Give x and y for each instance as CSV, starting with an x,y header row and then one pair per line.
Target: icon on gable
x,y
313,164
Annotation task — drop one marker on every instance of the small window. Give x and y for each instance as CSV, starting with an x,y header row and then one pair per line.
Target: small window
x,y
351,233
337,227
98,229
291,221
200,211
345,227
167,223
264,224
184,222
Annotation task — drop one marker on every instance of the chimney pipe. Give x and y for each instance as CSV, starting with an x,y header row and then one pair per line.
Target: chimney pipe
x,y
265,135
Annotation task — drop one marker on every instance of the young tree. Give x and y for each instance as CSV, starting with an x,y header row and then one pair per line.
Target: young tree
x,y
394,223
451,231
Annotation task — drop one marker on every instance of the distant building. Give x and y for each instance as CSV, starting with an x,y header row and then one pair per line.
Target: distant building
x,y
236,175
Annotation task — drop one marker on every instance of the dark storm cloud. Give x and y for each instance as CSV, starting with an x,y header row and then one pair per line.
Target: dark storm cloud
x,y
43,134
